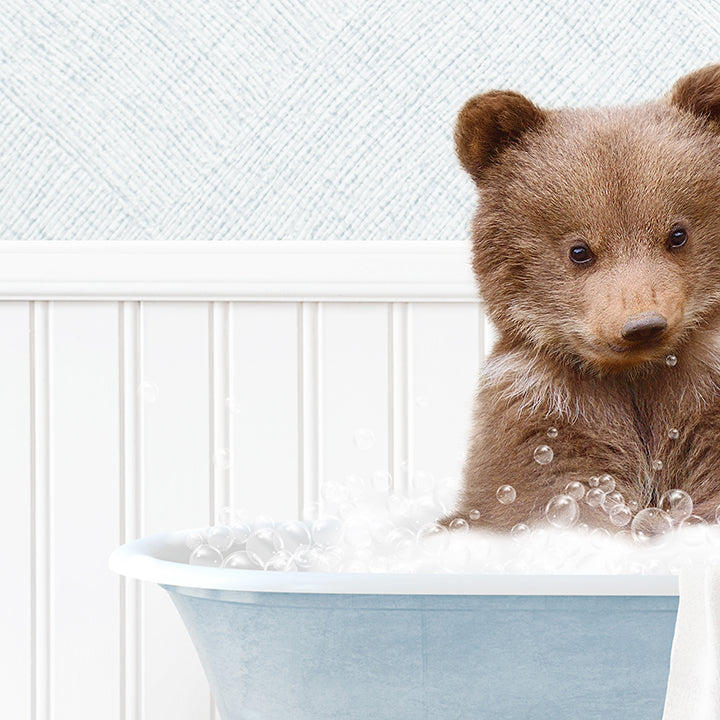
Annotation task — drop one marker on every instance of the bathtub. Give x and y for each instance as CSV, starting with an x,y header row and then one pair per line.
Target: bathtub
x,y
344,646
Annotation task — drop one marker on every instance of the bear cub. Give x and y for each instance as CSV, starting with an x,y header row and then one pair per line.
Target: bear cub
x,y
596,248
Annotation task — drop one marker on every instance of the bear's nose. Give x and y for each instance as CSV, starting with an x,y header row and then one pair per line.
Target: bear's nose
x,y
644,327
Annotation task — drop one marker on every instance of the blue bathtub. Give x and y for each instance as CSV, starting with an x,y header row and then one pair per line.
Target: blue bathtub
x,y
342,646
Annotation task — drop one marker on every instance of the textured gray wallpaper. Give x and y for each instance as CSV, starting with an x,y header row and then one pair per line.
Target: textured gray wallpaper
x,y
282,120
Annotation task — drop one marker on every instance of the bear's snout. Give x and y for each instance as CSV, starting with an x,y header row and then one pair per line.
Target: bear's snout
x,y
645,327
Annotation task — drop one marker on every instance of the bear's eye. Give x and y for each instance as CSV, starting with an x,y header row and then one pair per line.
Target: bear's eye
x,y
677,238
580,254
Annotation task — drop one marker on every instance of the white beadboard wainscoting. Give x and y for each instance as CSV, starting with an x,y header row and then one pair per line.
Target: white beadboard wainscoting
x,y
146,385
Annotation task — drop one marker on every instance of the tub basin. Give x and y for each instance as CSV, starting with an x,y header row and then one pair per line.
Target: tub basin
x,y
345,646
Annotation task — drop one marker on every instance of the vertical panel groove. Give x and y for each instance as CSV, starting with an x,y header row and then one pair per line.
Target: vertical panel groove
x,y
211,413
300,410
138,423
309,408
230,391
220,397
130,657
41,592
221,459
399,451
409,396
123,481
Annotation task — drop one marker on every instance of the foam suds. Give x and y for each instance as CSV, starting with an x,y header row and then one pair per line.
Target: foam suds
x,y
365,527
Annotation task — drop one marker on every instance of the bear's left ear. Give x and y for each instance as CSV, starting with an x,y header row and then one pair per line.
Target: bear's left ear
x,y
488,124
699,93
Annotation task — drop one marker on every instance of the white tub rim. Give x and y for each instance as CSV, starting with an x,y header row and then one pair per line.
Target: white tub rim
x,y
146,559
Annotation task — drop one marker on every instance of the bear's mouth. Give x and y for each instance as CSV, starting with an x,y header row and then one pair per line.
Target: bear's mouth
x,y
612,358
638,347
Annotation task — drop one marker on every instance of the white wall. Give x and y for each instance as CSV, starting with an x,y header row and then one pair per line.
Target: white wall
x,y
115,423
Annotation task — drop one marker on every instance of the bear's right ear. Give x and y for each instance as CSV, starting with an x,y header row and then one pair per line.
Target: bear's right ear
x,y
488,123
699,93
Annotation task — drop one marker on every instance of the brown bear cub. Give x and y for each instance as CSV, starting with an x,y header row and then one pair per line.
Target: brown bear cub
x,y
596,247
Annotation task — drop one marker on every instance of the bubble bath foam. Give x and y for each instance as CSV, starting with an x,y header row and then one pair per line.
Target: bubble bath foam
x,y
302,645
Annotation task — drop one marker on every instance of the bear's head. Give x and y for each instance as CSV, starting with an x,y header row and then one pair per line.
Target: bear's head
x,y
597,235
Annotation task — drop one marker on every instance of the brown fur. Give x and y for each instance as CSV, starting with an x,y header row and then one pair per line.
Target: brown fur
x,y
619,180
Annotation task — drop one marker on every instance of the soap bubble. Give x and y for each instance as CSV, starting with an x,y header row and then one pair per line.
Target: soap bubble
x,y
355,487
307,558
446,491
606,483
506,494
600,538
422,481
262,545
378,565
594,481
282,561
459,525
673,433
357,533
651,527
327,531
475,514
620,515
380,529
220,537
677,504
206,555
311,510
263,521
149,392
381,481
520,530
328,561
239,560
195,538
543,454
295,535
657,465
671,361
364,438
612,499
594,497
424,510
401,542
433,538
693,530
562,511
356,566
552,432
241,532
234,407
457,557
397,505
575,490
334,493
227,516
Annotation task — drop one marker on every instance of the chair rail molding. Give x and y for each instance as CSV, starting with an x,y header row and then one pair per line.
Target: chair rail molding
x,y
382,270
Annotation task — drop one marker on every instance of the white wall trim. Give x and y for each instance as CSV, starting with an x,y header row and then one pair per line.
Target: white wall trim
x,y
244,270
